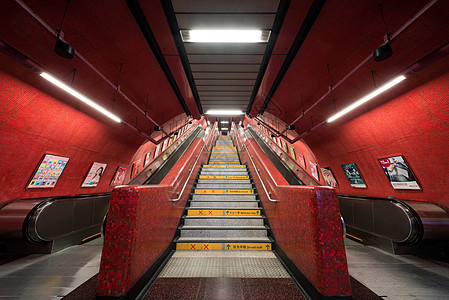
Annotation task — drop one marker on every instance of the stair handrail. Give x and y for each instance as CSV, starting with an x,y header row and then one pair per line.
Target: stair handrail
x,y
257,172
188,177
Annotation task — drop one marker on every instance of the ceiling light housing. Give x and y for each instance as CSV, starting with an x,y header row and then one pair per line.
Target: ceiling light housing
x,y
225,36
218,112
79,96
368,97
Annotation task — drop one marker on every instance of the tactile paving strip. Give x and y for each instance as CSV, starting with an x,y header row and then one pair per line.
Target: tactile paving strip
x,y
224,264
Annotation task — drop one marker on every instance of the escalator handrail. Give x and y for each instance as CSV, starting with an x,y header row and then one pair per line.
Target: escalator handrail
x,y
257,172
188,177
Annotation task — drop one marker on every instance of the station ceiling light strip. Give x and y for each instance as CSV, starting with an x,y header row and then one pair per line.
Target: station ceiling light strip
x,y
218,112
225,36
79,96
368,97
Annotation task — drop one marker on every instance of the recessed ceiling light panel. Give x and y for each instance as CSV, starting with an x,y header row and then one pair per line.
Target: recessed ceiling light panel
x,y
225,36
219,112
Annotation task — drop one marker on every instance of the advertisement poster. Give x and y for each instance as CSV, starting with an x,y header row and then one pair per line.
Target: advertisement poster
x,y
170,140
164,145
94,175
147,159
48,172
119,176
292,152
399,173
279,142
329,177
314,170
354,177
158,149
302,161
284,146
135,168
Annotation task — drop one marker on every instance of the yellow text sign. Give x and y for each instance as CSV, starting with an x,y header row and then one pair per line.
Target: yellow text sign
x,y
223,212
224,246
224,177
224,167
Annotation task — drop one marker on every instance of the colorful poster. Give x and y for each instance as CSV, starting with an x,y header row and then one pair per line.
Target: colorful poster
x,y
292,152
147,159
94,175
158,149
329,177
399,173
302,161
135,168
164,145
119,176
48,172
175,136
354,177
314,170
284,146
170,140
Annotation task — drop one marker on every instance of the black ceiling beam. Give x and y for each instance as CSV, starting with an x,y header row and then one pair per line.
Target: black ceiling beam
x,y
277,24
145,28
174,28
306,26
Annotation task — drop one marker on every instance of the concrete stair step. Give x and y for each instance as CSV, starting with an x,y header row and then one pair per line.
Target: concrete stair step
x,y
224,239
223,231
228,204
223,197
224,181
223,221
225,185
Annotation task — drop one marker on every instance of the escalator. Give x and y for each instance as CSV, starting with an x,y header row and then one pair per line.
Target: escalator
x,y
224,214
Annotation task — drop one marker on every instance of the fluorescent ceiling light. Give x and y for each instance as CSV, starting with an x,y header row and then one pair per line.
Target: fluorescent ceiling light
x,y
225,36
368,97
80,96
224,122
224,112
224,129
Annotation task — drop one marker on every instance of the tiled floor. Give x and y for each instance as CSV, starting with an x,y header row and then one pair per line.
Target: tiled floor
x,y
50,276
397,277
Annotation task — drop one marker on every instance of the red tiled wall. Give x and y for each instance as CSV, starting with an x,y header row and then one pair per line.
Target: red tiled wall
x,y
33,123
141,224
414,124
306,225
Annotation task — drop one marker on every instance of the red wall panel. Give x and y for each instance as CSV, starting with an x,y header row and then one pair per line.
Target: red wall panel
x,y
414,124
33,123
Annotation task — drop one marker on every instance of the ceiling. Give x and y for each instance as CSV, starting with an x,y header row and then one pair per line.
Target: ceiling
x,y
136,45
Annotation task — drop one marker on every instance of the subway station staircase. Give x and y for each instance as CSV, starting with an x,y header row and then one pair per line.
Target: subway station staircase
x,y
223,213
224,249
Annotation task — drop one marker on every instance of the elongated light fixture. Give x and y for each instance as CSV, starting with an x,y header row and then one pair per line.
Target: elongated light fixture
x,y
368,97
224,122
224,112
79,96
224,129
225,36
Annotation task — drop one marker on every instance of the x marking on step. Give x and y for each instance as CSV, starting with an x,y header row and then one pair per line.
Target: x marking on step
x,y
206,246
210,212
192,247
200,212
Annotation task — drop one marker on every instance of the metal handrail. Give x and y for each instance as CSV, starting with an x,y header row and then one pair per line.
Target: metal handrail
x,y
187,180
257,172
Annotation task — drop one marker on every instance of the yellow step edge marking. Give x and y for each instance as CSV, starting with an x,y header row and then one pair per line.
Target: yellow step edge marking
x,y
224,166
223,162
213,152
224,156
224,177
223,212
223,191
224,246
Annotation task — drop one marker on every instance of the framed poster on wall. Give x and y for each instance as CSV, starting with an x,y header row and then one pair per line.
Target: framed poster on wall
x,y
353,174
119,176
49,170
284,146
158,149
314,170
329,177
147,159
135,168
292,152
301,161
94,175
399,173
